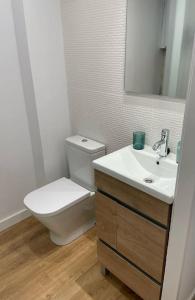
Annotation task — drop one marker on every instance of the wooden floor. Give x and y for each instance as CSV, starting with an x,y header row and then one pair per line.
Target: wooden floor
x,y
32,267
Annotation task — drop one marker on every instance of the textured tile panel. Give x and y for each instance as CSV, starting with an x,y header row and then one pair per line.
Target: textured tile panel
x,y
94,35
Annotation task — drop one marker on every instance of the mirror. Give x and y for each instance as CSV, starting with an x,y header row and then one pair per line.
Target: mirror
x,y
159,44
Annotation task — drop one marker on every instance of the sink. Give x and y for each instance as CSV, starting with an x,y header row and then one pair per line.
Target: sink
x,y
140,169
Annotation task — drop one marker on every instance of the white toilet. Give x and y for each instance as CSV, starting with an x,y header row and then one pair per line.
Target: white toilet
x,y
66,206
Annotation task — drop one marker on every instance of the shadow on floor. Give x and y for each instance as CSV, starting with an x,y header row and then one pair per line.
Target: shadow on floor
x,y
109,287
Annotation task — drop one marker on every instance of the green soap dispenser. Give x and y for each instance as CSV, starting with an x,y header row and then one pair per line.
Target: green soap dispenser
x,y
178,155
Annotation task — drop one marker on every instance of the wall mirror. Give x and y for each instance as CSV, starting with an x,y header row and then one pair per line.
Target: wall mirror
x,y
159,45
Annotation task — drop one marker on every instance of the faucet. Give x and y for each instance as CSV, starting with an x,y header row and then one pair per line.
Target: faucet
x,y
161,147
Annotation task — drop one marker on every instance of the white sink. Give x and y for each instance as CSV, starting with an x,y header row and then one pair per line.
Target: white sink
x,y
140,169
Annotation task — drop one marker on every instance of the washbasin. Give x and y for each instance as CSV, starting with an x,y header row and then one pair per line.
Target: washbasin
x,y
142,170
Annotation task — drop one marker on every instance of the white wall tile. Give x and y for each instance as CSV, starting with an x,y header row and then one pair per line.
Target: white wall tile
x,y
94,34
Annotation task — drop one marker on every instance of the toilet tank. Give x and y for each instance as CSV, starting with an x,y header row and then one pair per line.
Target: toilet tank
x,y
81,152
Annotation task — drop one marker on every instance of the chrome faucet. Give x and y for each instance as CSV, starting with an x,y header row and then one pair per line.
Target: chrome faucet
x,y
161,147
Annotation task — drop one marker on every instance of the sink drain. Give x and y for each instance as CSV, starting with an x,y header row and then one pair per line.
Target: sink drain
x,y
148,180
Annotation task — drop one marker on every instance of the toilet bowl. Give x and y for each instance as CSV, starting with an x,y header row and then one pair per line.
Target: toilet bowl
x,y
66,206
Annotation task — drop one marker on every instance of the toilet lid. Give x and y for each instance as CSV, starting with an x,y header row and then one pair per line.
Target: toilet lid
x,y
55,197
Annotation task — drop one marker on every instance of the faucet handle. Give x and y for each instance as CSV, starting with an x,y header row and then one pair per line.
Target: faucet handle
x,y
165,133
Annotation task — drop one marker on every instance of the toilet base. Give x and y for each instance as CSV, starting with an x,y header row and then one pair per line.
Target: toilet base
x,y
64,240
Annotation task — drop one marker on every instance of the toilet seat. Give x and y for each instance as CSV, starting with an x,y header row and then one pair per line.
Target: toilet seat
x,y
55,197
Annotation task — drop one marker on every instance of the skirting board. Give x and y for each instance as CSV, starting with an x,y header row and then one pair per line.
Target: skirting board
x,y
13,219
192,296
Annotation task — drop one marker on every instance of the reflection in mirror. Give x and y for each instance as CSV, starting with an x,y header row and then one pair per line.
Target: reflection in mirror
x,y
160,36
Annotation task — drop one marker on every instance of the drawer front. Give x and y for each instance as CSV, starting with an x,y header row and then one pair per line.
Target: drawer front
x,y
142,202
127,273
106,219
141,241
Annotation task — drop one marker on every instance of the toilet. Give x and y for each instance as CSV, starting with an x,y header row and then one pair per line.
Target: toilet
x,y
66,206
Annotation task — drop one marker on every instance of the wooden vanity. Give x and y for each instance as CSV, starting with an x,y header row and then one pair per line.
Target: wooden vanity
x,y
133,231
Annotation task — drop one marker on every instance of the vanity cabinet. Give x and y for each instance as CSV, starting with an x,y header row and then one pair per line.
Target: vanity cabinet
x,y
132,230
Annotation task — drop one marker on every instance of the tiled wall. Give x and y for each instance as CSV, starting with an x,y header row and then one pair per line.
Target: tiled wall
x,y
94,33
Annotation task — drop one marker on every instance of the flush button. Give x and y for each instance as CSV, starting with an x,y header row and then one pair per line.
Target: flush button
x,y
84,140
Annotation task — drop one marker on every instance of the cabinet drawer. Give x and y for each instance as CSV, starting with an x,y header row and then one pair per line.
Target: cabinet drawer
x,y
127,273
142,202
141,241
106,219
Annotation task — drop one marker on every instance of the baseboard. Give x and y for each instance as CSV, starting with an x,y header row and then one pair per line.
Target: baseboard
x,y
14,219
192,296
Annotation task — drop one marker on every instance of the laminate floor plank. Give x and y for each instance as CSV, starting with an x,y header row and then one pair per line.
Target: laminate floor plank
x,y
33,268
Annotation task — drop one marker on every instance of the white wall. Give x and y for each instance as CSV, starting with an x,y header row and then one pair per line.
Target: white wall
x,y
187,283
94,33
17,175
28,89
34,115
144,57
179,281
46,48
